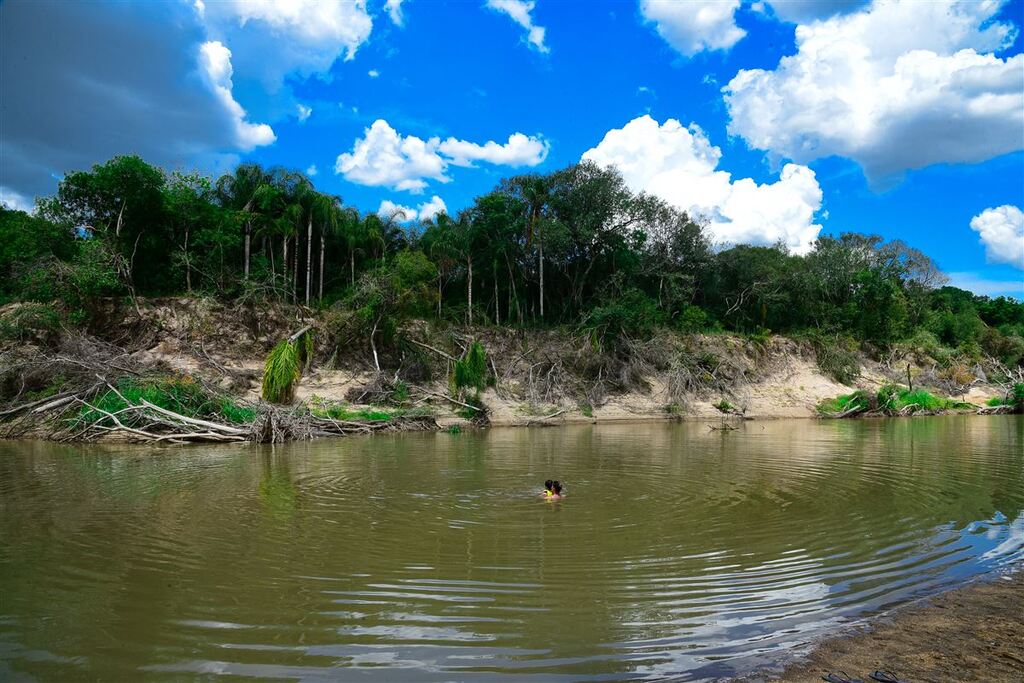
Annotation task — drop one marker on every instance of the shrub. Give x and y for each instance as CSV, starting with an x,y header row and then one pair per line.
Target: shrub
x,y
725,407
859,400
691,319
30,322
471,371
837,358
634,314
284,366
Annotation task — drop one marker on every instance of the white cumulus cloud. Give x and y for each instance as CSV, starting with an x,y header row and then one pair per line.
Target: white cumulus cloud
x,y
16,200
311,170
407,214
679,165
384,157
215,63
276,37
394,9
897,86
695,25
520,12
1002,232
520,150
806,11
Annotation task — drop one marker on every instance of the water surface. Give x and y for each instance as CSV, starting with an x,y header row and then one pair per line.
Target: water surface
x,y
678,552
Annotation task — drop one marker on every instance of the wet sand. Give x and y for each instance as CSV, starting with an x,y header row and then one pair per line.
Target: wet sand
x,y
974,633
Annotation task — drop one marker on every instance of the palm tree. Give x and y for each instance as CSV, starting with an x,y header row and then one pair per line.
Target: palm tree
x,y
241,191
534,191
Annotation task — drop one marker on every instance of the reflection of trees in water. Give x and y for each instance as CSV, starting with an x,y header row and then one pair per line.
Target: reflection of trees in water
x,y
668,532
276,489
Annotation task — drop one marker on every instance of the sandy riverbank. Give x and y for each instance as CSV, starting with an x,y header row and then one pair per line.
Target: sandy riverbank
x,y
973,633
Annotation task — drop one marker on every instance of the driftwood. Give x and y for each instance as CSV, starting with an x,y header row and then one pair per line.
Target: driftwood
x,y
446,398
435,350
1002,409
546,417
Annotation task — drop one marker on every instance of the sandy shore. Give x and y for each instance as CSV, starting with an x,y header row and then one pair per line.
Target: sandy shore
x,y
974,633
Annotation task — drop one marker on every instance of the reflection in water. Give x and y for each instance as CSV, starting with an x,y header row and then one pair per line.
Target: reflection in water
x,y
428,557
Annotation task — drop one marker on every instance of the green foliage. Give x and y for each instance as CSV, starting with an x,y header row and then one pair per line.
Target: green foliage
x,y
615,263
586,410
29,322
454,429
180,394
1013,398
633,314
471,371
284,366
837,358
725,407
692,319
858,400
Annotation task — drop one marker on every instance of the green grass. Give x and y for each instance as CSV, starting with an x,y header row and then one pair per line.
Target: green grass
x,y
891,399
845,402
182,395
586,410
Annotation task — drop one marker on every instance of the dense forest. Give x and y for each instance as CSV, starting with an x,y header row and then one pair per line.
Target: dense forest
x,y
571,248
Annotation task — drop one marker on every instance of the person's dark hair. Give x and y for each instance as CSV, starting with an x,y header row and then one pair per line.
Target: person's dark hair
x,y
547,484
556,487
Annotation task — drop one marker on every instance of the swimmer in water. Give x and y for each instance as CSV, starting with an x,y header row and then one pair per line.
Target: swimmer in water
x,y
552,490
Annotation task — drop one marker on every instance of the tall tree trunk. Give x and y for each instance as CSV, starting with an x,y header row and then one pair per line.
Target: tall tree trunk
x,y
248,239
284,260
540,265
352,264
439,276
512,291
469,292
309,256
322,249
295,287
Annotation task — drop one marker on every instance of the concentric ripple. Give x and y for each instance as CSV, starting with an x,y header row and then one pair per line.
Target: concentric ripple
x,y
678,552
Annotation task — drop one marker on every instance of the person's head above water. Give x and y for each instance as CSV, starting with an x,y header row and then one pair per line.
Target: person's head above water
x,y
556,487
547,485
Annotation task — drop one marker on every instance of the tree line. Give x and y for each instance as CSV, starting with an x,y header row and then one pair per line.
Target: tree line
x,y
574,247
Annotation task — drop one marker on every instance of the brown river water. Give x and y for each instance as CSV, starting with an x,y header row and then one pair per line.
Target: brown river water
x,y
677,553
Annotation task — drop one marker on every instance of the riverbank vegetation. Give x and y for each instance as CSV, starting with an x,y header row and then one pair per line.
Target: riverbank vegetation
x,y
572,255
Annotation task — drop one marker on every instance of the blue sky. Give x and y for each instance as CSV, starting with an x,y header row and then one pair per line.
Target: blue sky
x,y
902,119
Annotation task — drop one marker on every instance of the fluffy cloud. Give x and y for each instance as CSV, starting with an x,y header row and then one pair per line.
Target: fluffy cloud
x,y
277,37
806,11
895,87
406,214
383,157
15,200
394,9
520,150
519,11
678,164
66,66
215,62
304,112
311,170
1002,232
694,26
